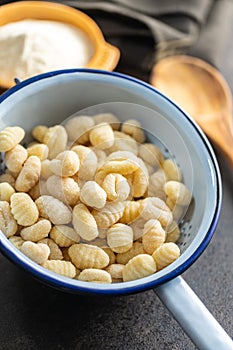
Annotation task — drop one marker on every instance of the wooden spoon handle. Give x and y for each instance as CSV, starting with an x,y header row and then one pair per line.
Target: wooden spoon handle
x,y
221,133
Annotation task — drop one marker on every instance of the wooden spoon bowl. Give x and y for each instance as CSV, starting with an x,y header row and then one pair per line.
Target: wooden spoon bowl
x,y
202,92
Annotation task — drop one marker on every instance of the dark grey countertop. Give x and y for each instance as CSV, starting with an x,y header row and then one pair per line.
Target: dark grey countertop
x,y
36,317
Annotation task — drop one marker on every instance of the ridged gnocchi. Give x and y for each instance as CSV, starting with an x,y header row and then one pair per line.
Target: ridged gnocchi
x,y
24,209
64,235
37,252
153,236
29,174
101,136
88,162
95,276
39,150
39,132
53,209
93,195
8,224
15,158
6,191
177,192
10,137
78,128
65,164
107,118
120,238
109,214
116,187
85,256
133,128
56,140
37,231
140,266
65,189
84,223
64,268
166,254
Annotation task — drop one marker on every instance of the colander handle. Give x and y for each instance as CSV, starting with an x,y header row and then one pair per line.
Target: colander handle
x,y
193,316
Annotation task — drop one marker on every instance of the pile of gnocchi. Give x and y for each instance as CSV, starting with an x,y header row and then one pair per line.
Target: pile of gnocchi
x,y
91,200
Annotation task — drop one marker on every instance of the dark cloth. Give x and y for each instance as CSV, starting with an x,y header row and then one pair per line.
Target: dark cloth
x,y
145,31
148,30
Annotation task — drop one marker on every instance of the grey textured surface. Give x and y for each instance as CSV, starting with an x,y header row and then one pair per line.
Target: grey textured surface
x,y
36,317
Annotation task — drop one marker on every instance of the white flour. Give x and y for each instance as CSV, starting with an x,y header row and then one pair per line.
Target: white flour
x,y
32,47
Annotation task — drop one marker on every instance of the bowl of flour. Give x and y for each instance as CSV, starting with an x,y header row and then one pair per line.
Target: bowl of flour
x,y
38,37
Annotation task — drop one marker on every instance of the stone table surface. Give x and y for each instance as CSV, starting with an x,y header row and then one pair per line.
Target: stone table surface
x,y
37,317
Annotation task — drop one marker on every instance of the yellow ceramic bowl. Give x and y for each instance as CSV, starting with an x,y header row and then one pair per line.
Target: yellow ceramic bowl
x,y
105,56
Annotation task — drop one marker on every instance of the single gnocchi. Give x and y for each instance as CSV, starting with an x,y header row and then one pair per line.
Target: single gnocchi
x,y
101,136
109,214
53,209
24,209
37,252
151,154
166,254
133,128
84,222
156,184
65,164
64,268
86,256
78,129
107,118
6,191
29,174
120,238
140,179
15,158
93,195
39,150
64,235
177,192
116,271
116,187
95,276
140,266
39,132
56,140
123,142
153,236
132,211
173,232
37,231
156,208
10,137
171,170
88,162
8,224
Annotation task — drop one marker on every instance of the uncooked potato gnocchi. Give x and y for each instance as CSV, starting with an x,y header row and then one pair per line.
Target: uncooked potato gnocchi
x,y
91,200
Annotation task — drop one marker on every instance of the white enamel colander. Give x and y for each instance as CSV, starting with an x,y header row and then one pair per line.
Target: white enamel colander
x,y
51,98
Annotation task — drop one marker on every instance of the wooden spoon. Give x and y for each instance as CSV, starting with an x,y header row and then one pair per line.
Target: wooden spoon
x,y
202,92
